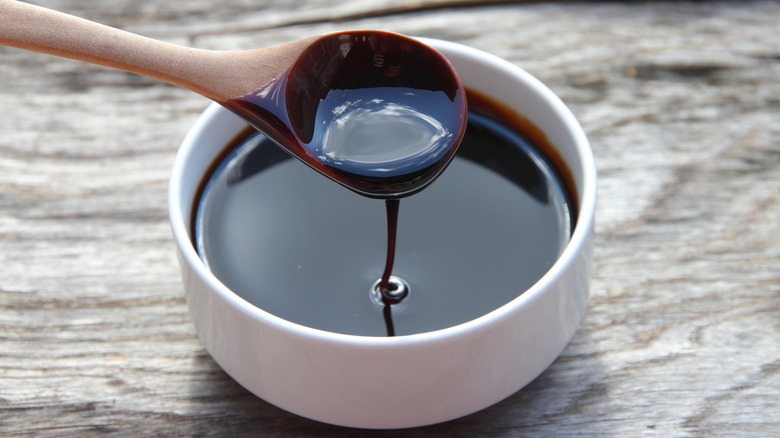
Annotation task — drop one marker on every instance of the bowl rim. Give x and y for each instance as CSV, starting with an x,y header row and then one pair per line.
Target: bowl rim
x,y
579,238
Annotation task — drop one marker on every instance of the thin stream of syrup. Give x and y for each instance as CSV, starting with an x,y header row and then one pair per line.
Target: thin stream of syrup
x,y
391,205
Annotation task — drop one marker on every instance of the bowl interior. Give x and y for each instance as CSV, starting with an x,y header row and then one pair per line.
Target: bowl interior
x,y
479,71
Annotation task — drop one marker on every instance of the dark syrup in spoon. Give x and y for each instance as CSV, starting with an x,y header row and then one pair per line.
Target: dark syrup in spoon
x,y
377,112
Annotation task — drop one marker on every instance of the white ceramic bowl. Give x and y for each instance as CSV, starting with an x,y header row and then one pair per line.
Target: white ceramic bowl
x,y
405,381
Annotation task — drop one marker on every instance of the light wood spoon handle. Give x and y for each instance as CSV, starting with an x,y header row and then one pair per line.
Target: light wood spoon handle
x,y
217,75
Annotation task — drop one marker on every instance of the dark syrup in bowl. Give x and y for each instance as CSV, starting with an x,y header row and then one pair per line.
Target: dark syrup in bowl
x,y
298,246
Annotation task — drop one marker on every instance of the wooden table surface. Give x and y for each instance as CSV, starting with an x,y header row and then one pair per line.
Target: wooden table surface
x,y
681,102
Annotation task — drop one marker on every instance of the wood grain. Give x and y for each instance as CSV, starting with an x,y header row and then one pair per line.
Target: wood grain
x,y
681,338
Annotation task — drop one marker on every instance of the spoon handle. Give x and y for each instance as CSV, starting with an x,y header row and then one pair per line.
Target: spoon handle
x,y
210,73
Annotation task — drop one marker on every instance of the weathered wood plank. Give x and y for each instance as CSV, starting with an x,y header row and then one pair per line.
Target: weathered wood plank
x,y
681,337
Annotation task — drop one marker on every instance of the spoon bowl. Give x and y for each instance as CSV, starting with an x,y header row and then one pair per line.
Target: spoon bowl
x,y
377,112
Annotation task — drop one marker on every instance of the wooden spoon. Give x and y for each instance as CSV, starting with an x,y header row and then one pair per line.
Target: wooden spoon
x,y
279,90
216,75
